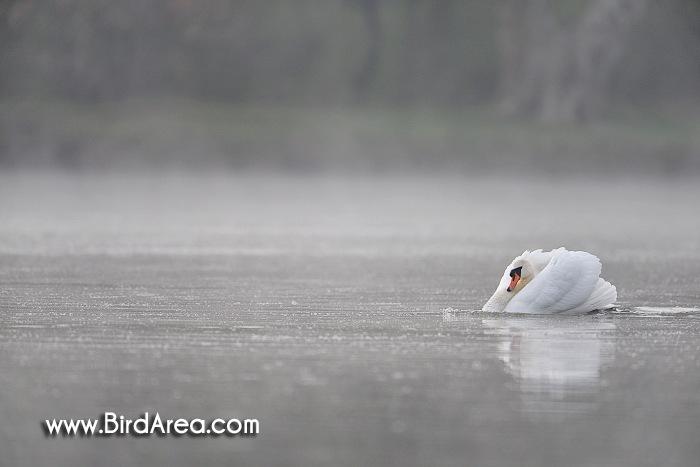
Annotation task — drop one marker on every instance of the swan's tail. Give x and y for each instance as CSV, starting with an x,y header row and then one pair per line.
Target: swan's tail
x,y
604,294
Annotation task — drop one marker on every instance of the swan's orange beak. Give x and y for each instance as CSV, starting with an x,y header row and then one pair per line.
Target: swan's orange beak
x,y
513,282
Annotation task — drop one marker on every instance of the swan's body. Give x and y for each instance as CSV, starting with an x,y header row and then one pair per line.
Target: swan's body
x,y
557,281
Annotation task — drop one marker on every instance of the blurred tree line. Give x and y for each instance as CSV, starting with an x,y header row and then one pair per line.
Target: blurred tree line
x,y
549,58
351,83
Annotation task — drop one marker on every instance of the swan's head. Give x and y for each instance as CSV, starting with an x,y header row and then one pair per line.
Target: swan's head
x,y
516,276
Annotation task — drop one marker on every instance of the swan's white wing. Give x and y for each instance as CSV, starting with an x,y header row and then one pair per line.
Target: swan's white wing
x,y
565,284
604,294
538,258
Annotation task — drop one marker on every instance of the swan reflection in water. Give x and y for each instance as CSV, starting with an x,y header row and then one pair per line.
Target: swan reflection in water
x,y
556,364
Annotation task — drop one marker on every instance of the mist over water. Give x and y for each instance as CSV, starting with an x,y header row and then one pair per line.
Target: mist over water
x,y
591,87
340,312
295,213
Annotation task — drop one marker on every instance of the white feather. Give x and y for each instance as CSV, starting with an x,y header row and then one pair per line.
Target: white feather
x,y
539,259
564,282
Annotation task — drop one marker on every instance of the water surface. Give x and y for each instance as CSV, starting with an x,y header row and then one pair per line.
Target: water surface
x,y
340,312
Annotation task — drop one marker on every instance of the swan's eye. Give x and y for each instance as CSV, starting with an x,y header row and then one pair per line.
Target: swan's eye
x,y
515,277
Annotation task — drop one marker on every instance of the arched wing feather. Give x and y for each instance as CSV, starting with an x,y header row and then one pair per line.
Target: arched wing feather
x,y
563,285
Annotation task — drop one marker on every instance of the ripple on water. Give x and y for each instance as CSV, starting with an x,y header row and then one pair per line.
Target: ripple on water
x,y
661,310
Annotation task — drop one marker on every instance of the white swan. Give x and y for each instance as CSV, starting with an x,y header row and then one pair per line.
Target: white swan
x,y
557,281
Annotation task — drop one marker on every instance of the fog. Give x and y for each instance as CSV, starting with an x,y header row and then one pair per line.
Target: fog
x,y
342,313
351,85
294,212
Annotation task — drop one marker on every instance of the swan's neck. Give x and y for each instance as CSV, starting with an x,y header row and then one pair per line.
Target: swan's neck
x,y
497,302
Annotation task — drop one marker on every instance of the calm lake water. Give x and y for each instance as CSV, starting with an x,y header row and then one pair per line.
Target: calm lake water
x,y
340,313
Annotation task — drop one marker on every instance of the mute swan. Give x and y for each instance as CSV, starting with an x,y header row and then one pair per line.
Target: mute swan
x,y
557,281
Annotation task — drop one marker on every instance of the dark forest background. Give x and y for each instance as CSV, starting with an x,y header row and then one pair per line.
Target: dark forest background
x,y
504,85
